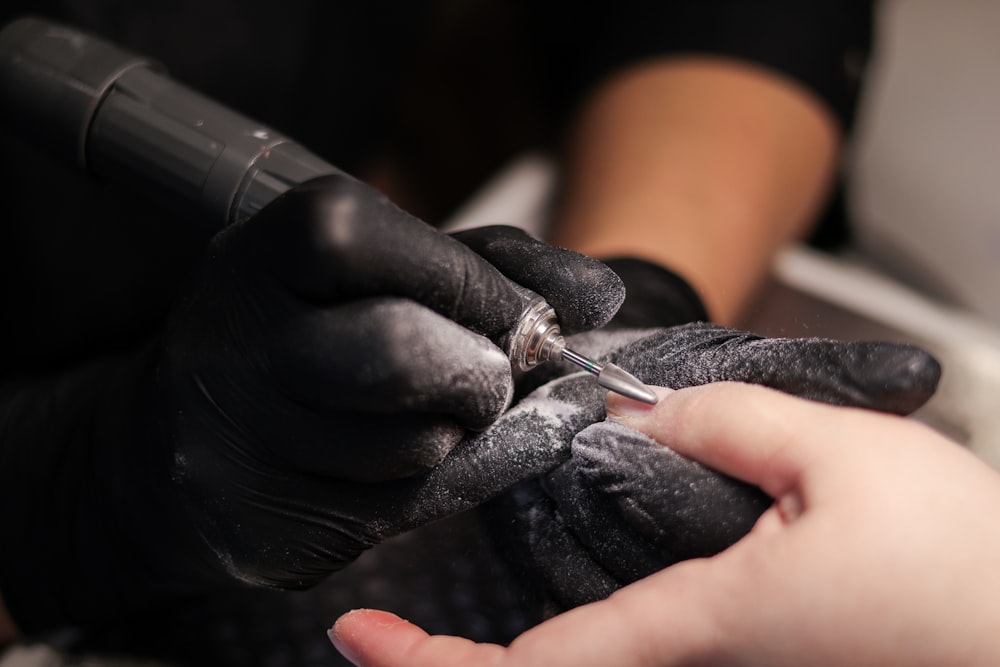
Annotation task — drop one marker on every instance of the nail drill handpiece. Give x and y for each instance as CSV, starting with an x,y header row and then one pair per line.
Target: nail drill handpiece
x,y
120,117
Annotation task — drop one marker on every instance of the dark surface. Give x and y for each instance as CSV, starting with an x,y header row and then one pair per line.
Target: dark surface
x,y
444,577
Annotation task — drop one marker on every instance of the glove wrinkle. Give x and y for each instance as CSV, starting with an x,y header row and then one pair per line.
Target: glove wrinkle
x,y
568,575
685,509
593,518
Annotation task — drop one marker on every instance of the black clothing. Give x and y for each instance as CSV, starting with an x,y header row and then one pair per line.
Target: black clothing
x,y
449,91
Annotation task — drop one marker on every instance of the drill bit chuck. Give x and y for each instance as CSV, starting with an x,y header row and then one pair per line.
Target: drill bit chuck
x,y
537,338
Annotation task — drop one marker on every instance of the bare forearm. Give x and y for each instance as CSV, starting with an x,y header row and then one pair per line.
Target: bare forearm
x,y
705,166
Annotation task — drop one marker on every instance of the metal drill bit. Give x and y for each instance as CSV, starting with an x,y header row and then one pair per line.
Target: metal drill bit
x,y
612,377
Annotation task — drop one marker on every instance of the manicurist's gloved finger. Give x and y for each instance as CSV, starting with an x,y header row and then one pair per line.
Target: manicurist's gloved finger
x,y
663,495
391,355
563,565
275,369
390,373
335,239
636,507
529,439
888,377
583,291
621,508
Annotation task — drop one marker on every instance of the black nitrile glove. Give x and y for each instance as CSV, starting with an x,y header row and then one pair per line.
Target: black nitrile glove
x,y
622,507
558,274
300,407
654,296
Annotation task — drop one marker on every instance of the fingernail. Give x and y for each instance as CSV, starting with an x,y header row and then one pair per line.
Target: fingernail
x,y
338,643
619,407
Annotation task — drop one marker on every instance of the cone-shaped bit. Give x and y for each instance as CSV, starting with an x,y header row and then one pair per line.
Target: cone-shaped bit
x,y
613,378
537,339
622,382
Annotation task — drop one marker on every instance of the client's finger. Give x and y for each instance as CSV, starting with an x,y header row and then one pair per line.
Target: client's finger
x,y
373,638
749,432
661,620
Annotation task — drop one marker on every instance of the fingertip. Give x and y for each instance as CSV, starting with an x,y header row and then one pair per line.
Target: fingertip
x,y
362,619
343,647
341,635
373,638
624,409
363,635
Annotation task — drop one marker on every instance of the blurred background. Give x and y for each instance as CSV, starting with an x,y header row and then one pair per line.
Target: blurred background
x,y
922,173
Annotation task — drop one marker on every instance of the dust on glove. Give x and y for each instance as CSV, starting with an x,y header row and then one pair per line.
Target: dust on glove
x,y
321,385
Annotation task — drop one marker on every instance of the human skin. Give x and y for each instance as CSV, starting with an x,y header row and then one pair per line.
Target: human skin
x,y
881,549
704,165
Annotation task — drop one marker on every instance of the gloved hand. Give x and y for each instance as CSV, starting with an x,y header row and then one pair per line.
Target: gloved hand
x,y
654,295
622,507
300,406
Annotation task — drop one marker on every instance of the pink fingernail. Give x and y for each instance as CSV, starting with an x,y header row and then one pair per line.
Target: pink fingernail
x,y
620,406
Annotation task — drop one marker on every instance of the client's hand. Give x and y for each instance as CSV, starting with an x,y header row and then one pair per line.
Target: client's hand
x,y
880,548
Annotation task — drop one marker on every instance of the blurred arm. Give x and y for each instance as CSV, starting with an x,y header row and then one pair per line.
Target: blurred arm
x,y
8,631
704,165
